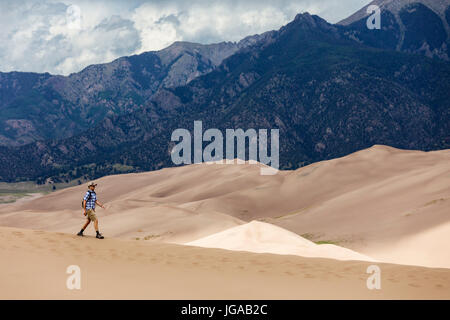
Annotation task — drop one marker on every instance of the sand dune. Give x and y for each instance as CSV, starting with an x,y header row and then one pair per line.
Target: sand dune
x,y
260,237
388,204
33,265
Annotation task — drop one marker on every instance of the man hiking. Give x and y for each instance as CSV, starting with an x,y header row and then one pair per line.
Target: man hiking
x,y
89,202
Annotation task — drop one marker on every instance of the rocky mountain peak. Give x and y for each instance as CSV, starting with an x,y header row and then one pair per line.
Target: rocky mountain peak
x,y
394,6
413,26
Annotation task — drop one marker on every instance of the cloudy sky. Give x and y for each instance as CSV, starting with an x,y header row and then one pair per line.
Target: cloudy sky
x,y
62,37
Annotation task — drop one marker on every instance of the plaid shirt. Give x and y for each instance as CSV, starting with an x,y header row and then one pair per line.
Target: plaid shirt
x,y
90,204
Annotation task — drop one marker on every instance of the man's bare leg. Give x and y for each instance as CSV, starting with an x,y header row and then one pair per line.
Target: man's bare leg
x,y
88,221
99,235
86,224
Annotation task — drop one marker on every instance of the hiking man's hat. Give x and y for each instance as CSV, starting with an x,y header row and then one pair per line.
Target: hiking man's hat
x,y
92,184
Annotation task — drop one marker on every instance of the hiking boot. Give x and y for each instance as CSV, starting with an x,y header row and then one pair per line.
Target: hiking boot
x,y
99,236
80,234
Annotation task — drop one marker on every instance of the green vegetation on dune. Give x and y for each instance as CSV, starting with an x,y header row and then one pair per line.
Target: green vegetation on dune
x,y
314,238
327,242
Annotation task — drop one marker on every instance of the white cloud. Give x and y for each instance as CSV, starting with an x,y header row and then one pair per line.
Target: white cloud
x,y
156,32
64,36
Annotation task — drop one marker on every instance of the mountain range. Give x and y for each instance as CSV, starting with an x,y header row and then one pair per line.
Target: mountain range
x,y
330,89
36,107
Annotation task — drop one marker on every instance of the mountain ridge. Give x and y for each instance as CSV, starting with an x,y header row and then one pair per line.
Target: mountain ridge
x,y
328,95
55,106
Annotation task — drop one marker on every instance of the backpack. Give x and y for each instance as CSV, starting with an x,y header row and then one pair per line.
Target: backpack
x,y
89,198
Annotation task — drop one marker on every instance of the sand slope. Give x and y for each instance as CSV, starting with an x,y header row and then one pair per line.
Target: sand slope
x,y
33,265
382,202
262,237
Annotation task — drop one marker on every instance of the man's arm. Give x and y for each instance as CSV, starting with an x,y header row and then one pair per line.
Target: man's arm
x,y
99,204
84,206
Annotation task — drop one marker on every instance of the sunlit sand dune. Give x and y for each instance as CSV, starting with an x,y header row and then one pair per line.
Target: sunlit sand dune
x,y
262,237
